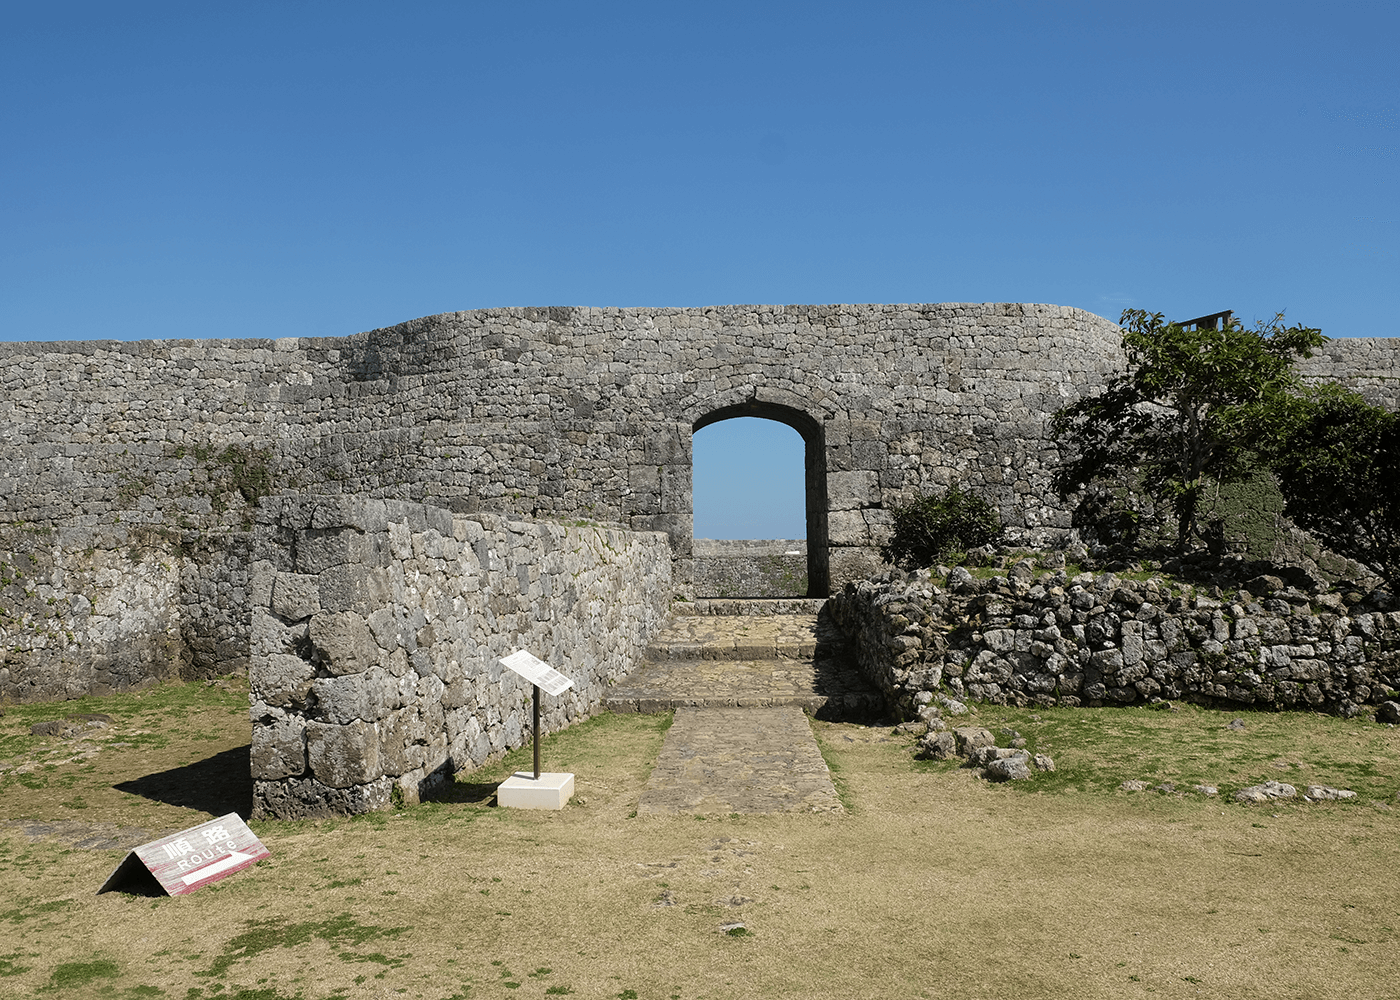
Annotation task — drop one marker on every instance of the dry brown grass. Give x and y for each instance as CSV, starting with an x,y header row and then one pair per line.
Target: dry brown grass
x,y
933,884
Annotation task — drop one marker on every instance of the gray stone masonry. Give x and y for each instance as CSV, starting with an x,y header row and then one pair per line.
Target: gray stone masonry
x,y
749,568
1032,637
164,448
377,627
746,657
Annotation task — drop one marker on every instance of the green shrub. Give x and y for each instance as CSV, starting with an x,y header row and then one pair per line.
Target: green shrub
x,y
928,527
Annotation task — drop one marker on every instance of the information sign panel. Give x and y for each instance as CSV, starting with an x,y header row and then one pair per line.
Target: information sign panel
x,y
193,858
537,672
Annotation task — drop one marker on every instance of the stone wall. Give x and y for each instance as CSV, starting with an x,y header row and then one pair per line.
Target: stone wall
x,y
749,567
559,413
85,609
377,626
1036,637
1370,365
565,413
104,603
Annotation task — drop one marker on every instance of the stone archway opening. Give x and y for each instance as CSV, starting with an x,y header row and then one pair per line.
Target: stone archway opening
x,y
760,565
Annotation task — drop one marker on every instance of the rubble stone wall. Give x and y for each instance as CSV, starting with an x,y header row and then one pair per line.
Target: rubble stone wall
x,y
1044,638
377,627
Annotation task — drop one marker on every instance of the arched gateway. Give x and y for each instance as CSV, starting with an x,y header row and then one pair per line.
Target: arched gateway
x,y
374,519
812,431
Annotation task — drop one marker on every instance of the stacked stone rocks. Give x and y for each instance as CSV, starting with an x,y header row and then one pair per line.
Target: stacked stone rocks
x,y
377,627
1044,638
85,609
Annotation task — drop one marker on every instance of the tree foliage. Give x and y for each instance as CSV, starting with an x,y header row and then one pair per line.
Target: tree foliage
x,y
929,527
1193,407
1337,459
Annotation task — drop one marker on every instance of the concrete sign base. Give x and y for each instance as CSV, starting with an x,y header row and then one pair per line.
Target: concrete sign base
x,y
522,790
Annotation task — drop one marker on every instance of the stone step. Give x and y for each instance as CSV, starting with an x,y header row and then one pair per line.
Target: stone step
x,y
828,688
712,637
749,607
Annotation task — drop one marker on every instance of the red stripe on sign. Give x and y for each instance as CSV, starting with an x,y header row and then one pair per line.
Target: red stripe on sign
x,y
194,858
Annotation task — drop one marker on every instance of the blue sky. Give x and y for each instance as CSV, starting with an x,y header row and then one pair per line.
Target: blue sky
x,y
306,168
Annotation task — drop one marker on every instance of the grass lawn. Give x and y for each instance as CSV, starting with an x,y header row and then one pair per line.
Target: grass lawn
x,y
932,884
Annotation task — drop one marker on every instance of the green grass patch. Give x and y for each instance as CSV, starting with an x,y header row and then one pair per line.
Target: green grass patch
x,y
265,935
70,975
1097,749
836,766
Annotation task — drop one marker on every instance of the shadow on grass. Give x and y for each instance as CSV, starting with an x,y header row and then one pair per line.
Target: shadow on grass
x,y
218,785
468,793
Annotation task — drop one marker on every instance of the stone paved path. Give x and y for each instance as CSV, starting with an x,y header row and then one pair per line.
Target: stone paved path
x,y
740,676
739,760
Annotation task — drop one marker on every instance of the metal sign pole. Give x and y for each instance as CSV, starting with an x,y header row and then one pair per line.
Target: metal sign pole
x,y
543,789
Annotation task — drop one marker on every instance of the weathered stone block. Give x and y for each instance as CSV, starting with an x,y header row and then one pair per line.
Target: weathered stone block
x,y
283,681
345,588
345,511
343,642
847,527
295,596
319,549
852,490
279,749
368,696
343,756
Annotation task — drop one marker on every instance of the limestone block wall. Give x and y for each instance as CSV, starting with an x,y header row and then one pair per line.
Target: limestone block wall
x,y
100,604
376,630
1043,638
85,609
1370,365
749,567
538,413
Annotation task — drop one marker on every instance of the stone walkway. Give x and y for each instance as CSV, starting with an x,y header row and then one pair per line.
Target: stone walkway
x,y
739,760
740,676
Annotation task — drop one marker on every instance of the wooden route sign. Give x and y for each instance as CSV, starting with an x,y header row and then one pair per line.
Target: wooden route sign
x,y
190,859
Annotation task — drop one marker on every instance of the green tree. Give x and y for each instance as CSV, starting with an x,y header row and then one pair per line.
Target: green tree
x,y
1337,459
1192,408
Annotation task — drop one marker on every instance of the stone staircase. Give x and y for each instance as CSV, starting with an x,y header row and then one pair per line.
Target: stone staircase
x,y
747,654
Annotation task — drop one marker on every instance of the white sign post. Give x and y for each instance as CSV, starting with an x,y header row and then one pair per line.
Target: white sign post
x,y
548,790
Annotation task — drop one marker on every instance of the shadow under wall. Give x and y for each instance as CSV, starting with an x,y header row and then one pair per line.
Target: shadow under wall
x,y
217,785
814,446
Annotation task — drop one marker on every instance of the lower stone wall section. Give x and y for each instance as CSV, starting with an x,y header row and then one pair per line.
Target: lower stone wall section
x,y
1043,638
85,609
749,568
377,627
97,604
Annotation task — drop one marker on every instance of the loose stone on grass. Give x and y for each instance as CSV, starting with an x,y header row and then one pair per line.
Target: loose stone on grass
x,y
1266,792
984,757
1009,768
1323,793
